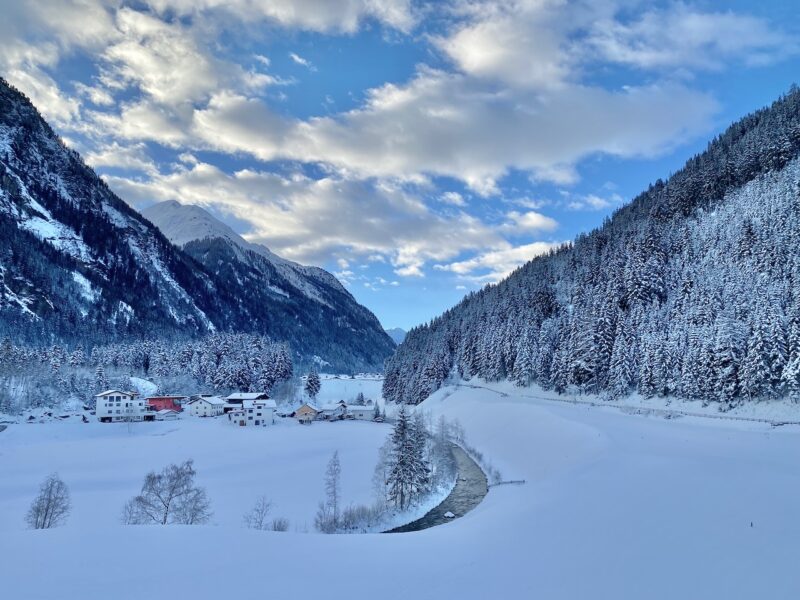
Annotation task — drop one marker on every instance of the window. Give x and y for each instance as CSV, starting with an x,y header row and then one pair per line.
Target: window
x,y
249,418
117,412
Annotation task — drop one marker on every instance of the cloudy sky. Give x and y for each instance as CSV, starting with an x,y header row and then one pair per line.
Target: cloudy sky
x,y
418,150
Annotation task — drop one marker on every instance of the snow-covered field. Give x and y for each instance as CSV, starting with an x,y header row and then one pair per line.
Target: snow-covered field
x,y
343,387
104,465
615,506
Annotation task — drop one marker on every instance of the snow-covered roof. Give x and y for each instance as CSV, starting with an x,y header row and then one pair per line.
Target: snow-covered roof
x,y
359,407
336,406
110,392
166,411
212,400
309,405
259,403
248,396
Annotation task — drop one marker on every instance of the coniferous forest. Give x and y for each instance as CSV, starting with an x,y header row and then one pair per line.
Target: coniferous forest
x,y
689,291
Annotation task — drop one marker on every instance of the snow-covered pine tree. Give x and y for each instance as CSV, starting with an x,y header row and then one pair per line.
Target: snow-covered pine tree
x,y
313,385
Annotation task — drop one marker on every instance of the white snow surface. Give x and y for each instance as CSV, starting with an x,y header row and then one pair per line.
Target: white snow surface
x,y
184,223
614,506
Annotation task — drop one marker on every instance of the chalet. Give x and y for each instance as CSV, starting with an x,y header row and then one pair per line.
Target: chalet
x,y
361,413
239,397
166,415
206,406
237,416
334,412
260,412
306,413
253,413
116,405
158,403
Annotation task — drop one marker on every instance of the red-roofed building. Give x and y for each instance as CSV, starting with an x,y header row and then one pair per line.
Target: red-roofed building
x,y
157,403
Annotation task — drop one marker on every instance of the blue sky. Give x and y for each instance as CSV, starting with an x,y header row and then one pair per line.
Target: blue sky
x,y
417,150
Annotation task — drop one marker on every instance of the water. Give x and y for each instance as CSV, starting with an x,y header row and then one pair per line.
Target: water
x,y
468,492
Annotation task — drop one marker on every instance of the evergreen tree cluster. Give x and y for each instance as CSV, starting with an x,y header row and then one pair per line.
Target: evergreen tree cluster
x,y
221,362
692,290
409,467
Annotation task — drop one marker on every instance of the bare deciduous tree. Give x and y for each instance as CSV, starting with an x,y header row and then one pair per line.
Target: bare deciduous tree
x,y
169,497
280,524
51,507
327,518
257,518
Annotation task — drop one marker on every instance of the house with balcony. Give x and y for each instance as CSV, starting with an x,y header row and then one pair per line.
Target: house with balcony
x,y
117,405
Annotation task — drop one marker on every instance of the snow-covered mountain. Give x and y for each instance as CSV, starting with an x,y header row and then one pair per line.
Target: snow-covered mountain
x,y
312,301
78,263
77,259
692,290
184,224
397,334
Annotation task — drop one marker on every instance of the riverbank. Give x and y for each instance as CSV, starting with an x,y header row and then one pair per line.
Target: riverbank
x,y
470,489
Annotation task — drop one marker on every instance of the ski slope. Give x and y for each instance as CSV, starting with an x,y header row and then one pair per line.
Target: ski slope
x,y
615,506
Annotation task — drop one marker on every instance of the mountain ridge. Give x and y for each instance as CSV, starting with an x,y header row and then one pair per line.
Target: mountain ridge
x,y
80,266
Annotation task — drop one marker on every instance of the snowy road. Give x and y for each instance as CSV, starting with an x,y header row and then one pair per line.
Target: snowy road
x,y
616,506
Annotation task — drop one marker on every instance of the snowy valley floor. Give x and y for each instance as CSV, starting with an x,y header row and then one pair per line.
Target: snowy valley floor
x,y
615,506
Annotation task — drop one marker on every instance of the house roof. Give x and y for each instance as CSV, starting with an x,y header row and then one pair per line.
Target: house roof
x,y
313,407
165,397
165,411
259,403
248,396
212,400
109,392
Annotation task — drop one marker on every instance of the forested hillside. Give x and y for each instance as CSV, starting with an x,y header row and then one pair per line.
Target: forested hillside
x,y
691,290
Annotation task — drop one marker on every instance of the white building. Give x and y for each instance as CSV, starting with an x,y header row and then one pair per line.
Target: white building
x,y
115,405
332,412
206,406
167,415
239,397
362,413
254,413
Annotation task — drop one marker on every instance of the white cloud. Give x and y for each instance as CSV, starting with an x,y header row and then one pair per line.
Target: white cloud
x,y
530,221
453,198
681,37
494,265
518,43
316,15
130,157
449,125
592,201
311,220
297,59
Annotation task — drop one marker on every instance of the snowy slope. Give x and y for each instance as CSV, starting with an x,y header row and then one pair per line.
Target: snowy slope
x,y
76,259
183,224
397,334
307,306
615,507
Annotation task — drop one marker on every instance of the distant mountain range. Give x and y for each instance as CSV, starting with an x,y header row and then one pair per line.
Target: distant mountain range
x,y
78,264
692,290
397,334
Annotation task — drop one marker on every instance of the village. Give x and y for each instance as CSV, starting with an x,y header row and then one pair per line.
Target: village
x,y
241,409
